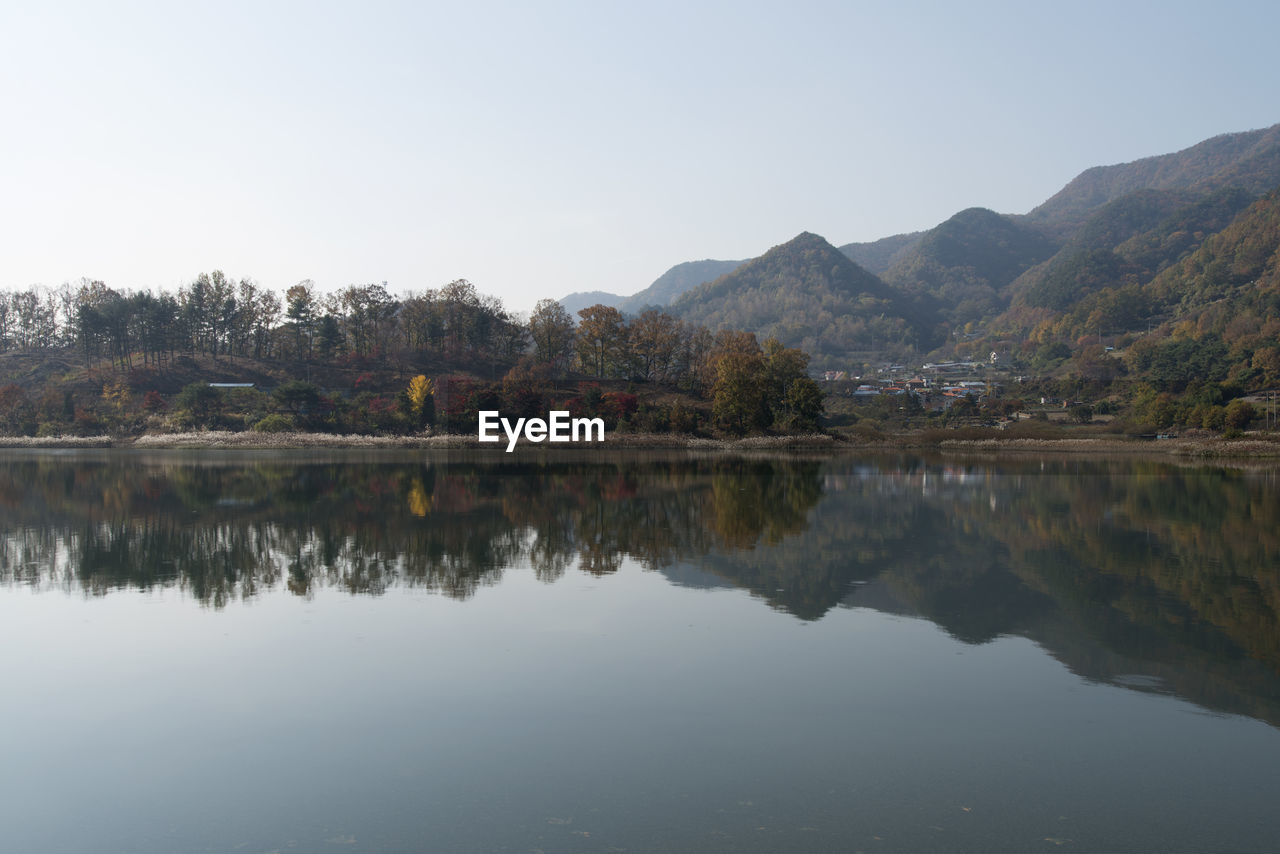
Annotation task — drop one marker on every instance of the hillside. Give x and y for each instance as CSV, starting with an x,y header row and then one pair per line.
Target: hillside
x,y
676,281
1110,227
879,255
1206,327
1236,271
967,262
1184,229
1127,241
578,300
668,286
1249,160
810,295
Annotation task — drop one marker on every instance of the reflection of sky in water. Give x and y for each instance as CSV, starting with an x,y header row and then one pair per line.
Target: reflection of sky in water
x,y
586,715
472,705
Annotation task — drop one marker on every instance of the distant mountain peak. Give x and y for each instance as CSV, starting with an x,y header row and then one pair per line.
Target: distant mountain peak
x,y
808,238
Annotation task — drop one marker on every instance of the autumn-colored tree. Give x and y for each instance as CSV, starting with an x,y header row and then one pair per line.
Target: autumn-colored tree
x,y
367,310
551,328
655,340
422,399
601,336
1239,414
117,400
524,390
17,414
738,396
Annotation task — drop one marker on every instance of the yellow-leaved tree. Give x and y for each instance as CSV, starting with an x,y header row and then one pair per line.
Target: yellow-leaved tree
x,y
422,399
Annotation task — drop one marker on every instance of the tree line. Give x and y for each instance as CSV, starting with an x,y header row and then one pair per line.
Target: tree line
x,y
474,345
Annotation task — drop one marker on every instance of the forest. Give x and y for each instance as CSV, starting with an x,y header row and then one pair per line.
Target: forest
x,y
88,359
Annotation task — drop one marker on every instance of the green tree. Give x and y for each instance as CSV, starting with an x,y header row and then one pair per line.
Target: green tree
x,y
793,397
297,396
329,340
201,402
301,313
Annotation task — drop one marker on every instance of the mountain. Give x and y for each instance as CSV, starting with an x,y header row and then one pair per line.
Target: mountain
x,y
674,282
879,255
1184,229
1108,254
1249,160
1127,241
1206,323
810,295
967,262
578,300
1087,261
664,289
1236,271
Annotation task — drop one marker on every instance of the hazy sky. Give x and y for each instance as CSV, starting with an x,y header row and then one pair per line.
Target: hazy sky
x,y
543,148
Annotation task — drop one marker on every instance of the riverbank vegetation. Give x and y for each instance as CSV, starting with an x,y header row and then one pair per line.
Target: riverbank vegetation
x,y
226,355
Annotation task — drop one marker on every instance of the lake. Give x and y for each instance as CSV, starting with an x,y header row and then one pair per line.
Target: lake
x,y
644,652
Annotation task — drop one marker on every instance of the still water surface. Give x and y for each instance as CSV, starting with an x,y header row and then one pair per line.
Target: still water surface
x,y
643,653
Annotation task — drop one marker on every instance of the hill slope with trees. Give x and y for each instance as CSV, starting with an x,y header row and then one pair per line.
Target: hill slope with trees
x,y
808,294
1249,160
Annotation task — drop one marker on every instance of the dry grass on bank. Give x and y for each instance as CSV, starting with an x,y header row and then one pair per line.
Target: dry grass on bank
x,y
1214,447
57,442
953,441
286,441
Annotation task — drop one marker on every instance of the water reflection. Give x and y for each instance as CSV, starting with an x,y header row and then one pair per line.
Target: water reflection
x,y
226,531
1149,575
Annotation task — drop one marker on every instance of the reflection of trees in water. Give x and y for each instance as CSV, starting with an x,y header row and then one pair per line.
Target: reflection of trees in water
x,y
1114,567
221,532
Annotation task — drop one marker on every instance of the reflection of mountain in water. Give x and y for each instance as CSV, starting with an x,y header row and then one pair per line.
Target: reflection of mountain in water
x,y
1146,575
1142,574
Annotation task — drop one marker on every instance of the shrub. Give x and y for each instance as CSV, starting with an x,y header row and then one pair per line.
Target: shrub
x,y
274,423
1238,414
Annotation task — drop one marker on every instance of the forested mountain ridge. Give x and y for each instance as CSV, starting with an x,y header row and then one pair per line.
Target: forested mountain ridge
x,y
1187,340
578,300
1110,226
1249,160
1233,279
808,294
667,287
1129,239
879,255
967,262
677,281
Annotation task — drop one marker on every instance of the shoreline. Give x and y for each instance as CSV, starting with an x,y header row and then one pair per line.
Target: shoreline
x,y
1208,447
247,440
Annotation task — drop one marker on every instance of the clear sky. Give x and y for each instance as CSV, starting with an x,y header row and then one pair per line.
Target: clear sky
x,y
541,148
